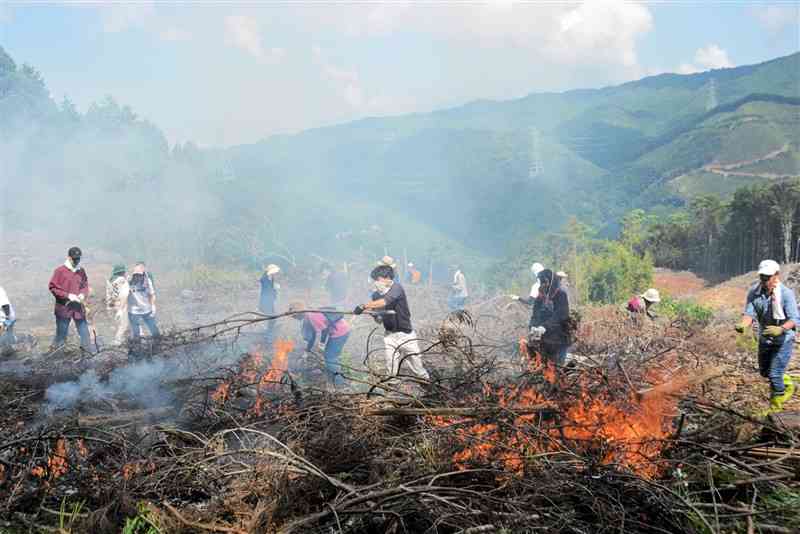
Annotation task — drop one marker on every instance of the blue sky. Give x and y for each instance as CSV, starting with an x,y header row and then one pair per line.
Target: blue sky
x,y
227,73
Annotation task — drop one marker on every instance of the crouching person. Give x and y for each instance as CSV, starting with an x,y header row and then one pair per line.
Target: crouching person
x,y
399,338
331,330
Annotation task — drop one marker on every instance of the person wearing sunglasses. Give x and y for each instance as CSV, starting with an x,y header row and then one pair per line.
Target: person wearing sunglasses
x,y
773,306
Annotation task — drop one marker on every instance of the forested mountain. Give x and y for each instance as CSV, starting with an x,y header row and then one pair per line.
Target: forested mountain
x,y
467,181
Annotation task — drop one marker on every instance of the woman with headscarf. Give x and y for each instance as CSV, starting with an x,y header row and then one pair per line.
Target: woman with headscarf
x,y
550,317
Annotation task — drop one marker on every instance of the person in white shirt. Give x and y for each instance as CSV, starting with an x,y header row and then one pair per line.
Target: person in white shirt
x,y
7,319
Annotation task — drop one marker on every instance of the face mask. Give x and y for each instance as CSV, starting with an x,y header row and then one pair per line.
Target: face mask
x,y
75,261
382,287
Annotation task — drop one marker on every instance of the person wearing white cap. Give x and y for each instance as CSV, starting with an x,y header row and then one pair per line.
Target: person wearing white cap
x,y
268,298
774,307
643,303
536,268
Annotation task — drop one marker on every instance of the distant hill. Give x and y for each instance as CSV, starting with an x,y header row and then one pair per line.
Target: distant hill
x,y
454,183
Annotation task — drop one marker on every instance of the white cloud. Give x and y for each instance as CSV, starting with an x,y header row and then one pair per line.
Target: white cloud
x,y
174,34
120,17
244,32
711,56
775,18
605,30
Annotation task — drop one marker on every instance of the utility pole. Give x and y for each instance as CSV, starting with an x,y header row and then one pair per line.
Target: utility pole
x,y
536,168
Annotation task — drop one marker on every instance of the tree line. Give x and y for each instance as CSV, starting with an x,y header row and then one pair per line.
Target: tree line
x,y
722,238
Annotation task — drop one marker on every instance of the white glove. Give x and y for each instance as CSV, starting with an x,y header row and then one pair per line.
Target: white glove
x,y
73,297
514,297
537,332
81,297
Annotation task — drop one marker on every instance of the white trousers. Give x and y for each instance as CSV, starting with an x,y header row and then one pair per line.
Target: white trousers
x,y
121,318
402,347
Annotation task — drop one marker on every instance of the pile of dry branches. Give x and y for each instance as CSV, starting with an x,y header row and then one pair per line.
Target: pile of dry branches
x,y
624,439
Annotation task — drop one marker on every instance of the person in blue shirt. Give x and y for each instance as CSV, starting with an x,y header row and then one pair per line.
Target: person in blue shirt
x,y
774,307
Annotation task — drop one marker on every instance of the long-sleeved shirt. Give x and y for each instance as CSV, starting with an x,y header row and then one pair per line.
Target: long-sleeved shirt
x,y
460,285
317,324
68,280
269,294
6,309
552,314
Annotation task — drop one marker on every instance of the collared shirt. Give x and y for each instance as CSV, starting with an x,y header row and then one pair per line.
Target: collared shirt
x,y
759,307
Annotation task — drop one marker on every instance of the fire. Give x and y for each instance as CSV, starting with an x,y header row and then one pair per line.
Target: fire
x,y
248,374
132,469
270,379
627,432
220,394
57,462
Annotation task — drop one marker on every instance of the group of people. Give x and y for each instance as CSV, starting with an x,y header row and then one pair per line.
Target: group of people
x,y
132,300
770,305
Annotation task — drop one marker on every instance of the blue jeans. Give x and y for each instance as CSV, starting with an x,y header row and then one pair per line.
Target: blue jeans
x,y
456,303
136,325
333,349
62,329
773,359
8,338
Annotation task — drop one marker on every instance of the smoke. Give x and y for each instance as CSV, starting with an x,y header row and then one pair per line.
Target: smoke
x,y
146,382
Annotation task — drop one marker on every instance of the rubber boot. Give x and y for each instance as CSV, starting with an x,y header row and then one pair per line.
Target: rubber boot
x,y
789,387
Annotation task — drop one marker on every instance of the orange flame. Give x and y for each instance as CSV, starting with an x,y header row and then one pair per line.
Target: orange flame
x,y
57,462
270,380
220,395
625,432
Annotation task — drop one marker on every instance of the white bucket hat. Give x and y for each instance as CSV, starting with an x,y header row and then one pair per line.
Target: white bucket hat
x,y
651,295
561,274
272,269
768,267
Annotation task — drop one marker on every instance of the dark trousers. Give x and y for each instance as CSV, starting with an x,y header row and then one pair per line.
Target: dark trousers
x,y
62,329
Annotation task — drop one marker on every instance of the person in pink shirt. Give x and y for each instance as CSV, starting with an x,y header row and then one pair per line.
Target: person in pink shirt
x,y
331,330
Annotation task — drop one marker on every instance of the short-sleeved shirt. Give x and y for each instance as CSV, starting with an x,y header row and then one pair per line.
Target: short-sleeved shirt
x,y
139,297
319,322
5,302
760,307
396,301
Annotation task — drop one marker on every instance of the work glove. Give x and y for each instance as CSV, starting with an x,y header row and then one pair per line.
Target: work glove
x,y
81,297
514,297
73,297
740,328
359,309
773,331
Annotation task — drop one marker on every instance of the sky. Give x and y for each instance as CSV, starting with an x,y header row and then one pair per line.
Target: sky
x,y
226,73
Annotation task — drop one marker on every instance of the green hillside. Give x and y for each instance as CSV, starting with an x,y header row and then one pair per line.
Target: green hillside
x,y
461,182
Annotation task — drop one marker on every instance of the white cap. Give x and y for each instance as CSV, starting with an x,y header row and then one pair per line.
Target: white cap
x,y
410,264
536,268
272,269
561,274
768,267
651,295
